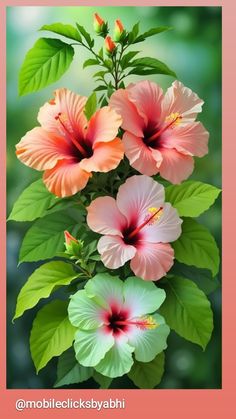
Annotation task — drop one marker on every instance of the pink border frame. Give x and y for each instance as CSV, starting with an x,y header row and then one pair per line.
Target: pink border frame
x,y
182,404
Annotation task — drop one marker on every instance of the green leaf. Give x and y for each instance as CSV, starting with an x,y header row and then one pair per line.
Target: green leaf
x,y
100,88
196,246
103,381
69,371
32,203
86,35
90,61
91,106
100,53
202,277
151,32
191,198
148,374
108,64
42,282
133,33
147,65
44,64
61,29
100,74
124,63
51,334
187,310
46,236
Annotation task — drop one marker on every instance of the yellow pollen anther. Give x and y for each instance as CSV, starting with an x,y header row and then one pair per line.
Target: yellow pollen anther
x,y
149,323
152,211
174,117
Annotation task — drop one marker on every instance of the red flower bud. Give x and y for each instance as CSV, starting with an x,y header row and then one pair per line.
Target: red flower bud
x,y
118,30
69,238
98,23
109,44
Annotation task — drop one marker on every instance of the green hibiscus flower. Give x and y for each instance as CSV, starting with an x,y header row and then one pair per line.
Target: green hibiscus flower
x,y
115,321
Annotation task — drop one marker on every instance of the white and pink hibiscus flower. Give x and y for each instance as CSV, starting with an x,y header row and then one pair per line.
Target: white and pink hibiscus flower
x,y
68,147
137,226
161,134
116,323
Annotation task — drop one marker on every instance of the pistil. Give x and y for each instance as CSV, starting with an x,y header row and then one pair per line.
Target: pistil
x,y
76,143
147,221
163,129
143,323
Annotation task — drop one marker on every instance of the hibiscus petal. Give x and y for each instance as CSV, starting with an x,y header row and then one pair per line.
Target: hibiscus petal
x,y
106,290
140,156
137,195
84,313
175,166
106,156
70,105
182,100
66,178
92,345
142,297
41,150
166,229
147,97
149,343
103,126
152,260
189,139
118,360
114,252
131,119
104,216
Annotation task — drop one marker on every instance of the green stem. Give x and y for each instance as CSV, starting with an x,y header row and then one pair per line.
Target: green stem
x,y
86,273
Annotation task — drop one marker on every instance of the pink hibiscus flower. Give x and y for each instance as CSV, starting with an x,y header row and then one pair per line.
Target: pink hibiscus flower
x,y
68,147
137,226
161,134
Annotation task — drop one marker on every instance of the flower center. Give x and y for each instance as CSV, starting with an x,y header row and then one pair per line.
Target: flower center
x,y
170,121
118,322
84,151
131,237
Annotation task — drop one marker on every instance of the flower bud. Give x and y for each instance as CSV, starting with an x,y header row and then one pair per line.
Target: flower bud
x,y
110,46
98,24
118,30
73,246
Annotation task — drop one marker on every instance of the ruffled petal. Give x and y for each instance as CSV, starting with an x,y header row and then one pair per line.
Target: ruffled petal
x,y
103,126
175,166
137,195
106,156
166,229
104,216
131,119
140,156
84,313
71,106
142,297
149,343
106,290
189,139
152,260
114,252
41,150
118,360
66,178
147,97
92,345
182,100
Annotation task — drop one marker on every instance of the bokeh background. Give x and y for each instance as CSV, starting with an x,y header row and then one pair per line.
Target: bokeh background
x,y
193,50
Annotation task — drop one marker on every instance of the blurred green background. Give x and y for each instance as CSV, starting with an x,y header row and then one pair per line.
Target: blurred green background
x,y
193,50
